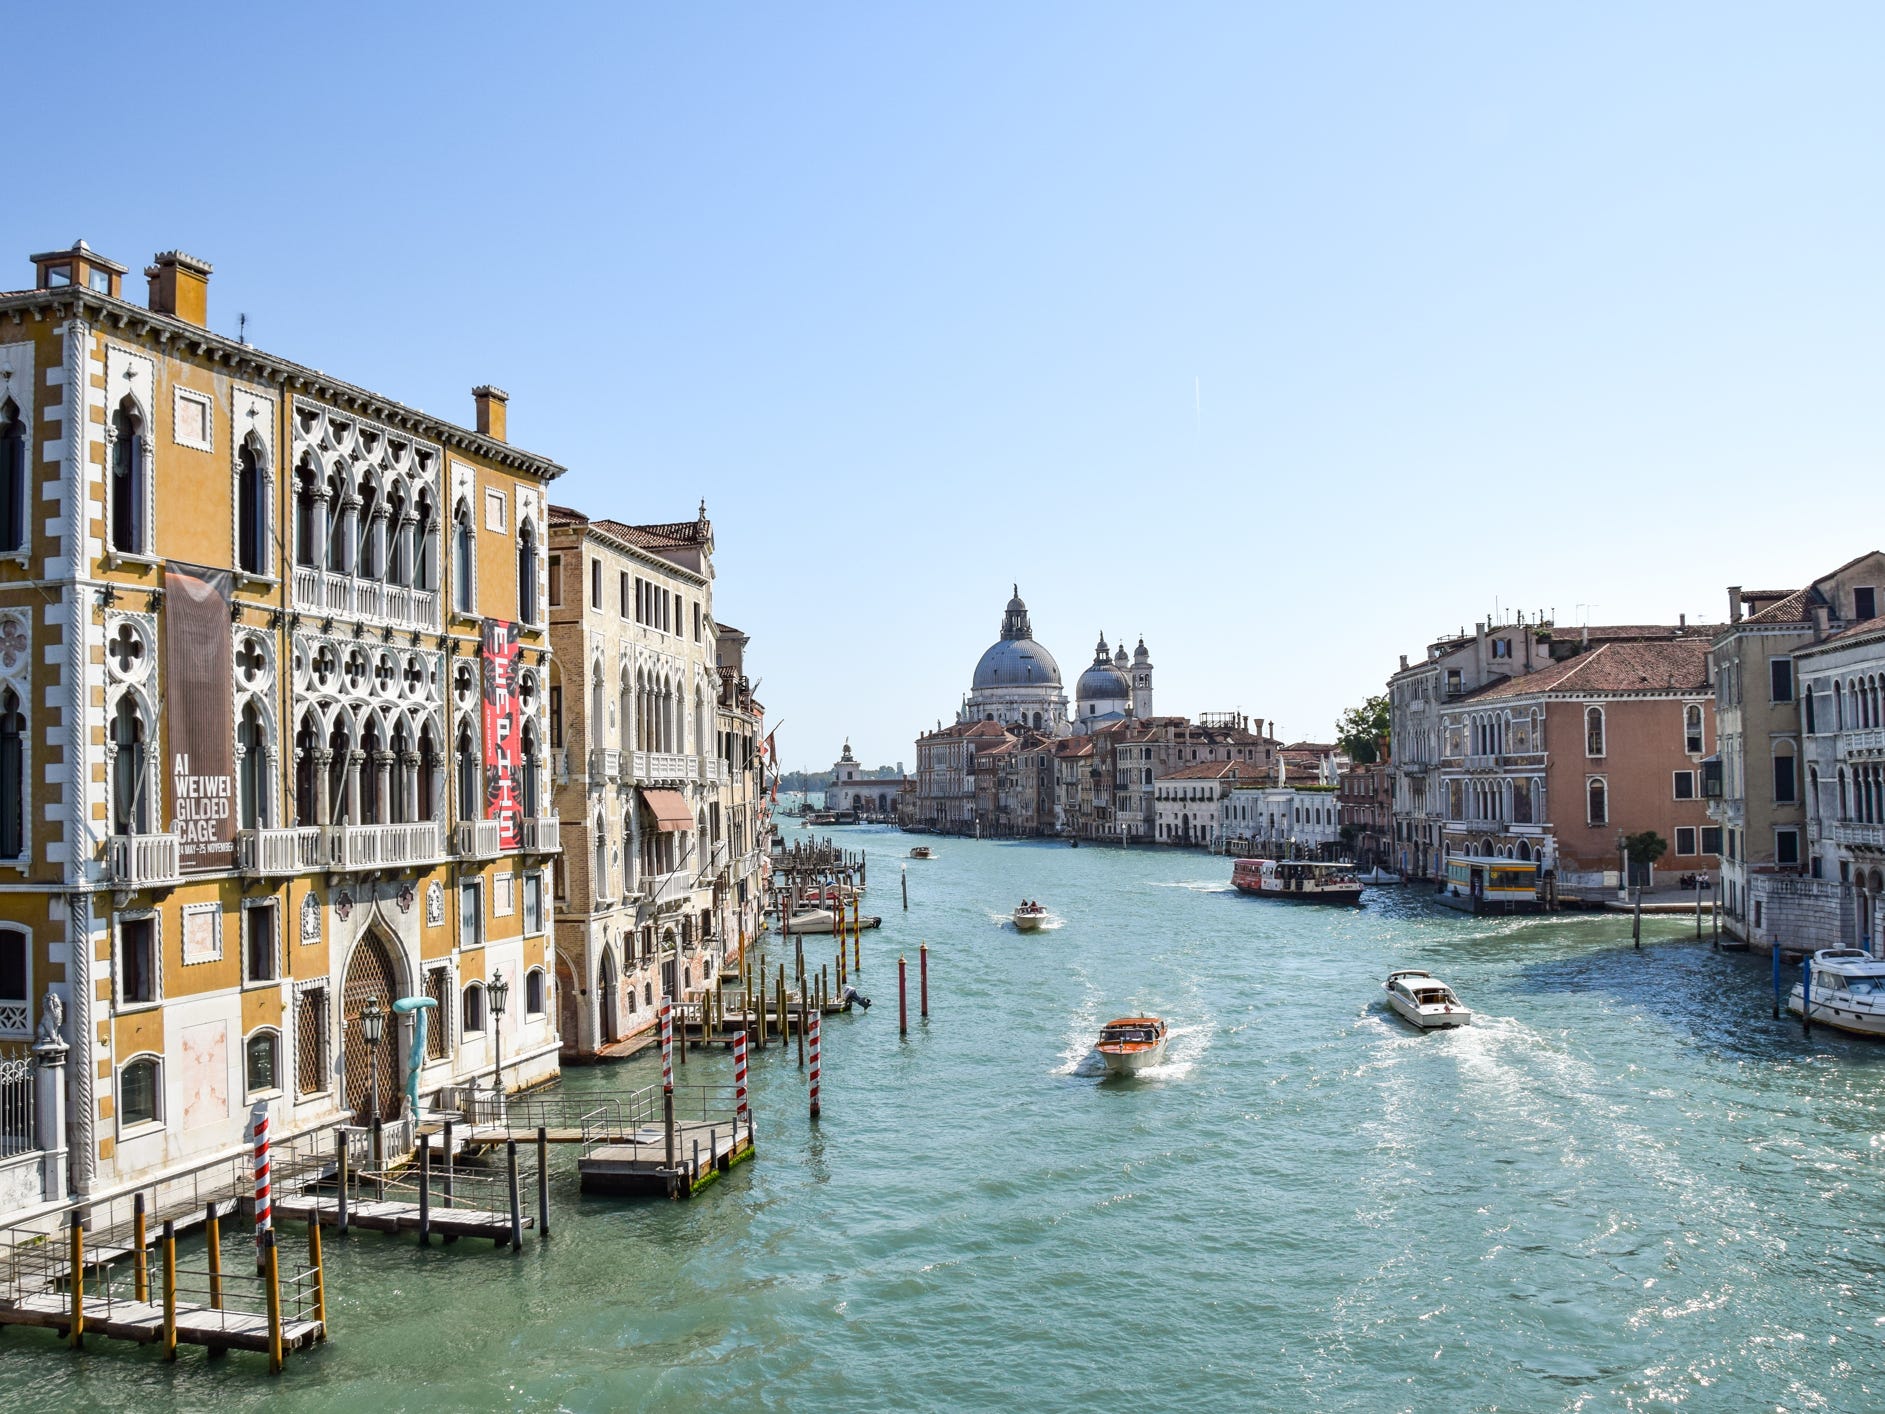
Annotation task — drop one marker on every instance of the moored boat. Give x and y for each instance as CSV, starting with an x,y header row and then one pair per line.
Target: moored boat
x,y
1030,918
1844,988
822,920
1297,880
1425,1000
1378,875
1131,1043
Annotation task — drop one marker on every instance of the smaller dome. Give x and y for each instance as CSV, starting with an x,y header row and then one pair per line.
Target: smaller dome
x,y
1102,682
1119,657
1139,655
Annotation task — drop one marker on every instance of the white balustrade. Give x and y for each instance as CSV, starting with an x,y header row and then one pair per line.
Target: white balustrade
x,y
384,846
478,839
279,851
138,861
543,834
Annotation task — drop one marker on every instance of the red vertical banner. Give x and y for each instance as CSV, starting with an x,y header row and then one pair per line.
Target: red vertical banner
x,y
503,733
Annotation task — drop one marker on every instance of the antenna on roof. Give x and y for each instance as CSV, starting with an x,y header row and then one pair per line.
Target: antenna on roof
x,y
242,328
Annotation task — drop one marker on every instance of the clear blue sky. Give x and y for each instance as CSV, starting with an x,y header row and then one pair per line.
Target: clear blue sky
x,y
1286,336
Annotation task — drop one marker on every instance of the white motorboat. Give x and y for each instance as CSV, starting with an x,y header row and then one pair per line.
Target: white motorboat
x,y
1131,1043
822,920
1425,1000
1847,991
1030,918
1378,875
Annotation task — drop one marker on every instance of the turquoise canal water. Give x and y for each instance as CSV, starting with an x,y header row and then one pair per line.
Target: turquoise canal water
x,y
1625,1187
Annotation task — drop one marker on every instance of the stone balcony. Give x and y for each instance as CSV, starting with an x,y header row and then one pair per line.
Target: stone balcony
x,y
543,834
1856,836
319,591
277,853
476,839
1870,742
384,846
650,766
605,764
145,861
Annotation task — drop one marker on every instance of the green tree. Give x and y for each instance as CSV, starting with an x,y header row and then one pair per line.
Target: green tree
x,y
1645,848
1362,732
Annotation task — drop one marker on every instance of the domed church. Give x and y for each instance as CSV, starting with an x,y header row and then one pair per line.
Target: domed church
x,y
1017,683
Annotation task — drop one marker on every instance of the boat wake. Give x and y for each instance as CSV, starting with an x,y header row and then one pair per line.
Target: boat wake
x,y
1195,886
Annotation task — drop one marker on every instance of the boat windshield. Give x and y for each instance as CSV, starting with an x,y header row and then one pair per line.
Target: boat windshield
x,y
1866,986
1433,996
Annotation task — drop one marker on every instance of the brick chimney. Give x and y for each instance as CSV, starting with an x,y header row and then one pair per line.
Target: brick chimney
x,y
1822,615
180,287
1734,603
493,404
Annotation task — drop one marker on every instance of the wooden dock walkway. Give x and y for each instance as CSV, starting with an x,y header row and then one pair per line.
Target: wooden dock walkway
x,y
383,1215
637,1163
143,1322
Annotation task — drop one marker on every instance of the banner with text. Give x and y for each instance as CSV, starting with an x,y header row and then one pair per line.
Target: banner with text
x,y
503,729
198,717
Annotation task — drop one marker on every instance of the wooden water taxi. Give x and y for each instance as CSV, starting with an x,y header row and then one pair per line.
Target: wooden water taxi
x,y
822,920
1425,1000
1131,1043
1030,918
922,851
1297,880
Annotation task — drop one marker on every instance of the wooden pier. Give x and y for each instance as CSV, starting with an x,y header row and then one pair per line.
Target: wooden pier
x,y
387,1215
637,1165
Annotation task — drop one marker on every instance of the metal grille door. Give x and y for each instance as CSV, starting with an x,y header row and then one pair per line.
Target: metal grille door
x,y
369,975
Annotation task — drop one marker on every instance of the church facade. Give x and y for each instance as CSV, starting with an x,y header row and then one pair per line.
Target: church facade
x,y
1017,683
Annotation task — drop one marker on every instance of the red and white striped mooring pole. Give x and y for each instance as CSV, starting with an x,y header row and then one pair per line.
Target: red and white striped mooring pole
x,y
258,1121
667,1044
814,1040
739,1075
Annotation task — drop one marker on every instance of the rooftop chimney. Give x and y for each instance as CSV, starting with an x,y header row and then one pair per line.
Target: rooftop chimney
x,y
180,287
1682,623
493,404
1734,603
1821,614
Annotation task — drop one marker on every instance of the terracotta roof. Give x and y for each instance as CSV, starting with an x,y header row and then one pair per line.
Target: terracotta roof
x,y
1217,770
1849,634
1613,669
666,536
1792,608
565,515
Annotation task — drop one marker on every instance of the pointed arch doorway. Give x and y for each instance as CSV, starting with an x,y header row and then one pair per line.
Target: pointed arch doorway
x,y
371,974
606,991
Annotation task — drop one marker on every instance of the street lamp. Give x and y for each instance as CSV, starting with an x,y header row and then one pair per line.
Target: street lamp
x,y
498,991
373,1027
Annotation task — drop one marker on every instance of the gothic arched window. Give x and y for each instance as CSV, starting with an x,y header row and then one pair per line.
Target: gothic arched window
x,y
129,481
252,783
527,573
13,478
12,776
130,800
469,806
251,509
463,566
308,515
426,546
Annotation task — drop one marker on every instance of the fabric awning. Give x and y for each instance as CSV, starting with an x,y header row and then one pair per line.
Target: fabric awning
x,y
669,807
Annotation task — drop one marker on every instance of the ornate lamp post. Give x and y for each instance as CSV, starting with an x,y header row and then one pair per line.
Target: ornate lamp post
x,y
498,992
373,1027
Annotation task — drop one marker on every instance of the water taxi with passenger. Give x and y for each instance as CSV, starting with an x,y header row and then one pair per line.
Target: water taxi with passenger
x,y
1425,1000
1030,917
1845,988
922,851
1297,880
1131,1043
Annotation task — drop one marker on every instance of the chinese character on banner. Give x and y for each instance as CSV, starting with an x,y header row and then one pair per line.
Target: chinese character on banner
x,y
503,733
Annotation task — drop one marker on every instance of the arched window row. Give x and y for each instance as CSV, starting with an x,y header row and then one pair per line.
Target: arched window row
x,y
371,767
1862,793
380,529
1859,702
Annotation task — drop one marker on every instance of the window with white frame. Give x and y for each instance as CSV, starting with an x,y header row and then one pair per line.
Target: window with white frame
x,y
1684,785
1685,839
1593,731
138,971
533,902
471,1015
140,1092
471,913
534,992
261,1062
15,477
261,941
1597,801
312,1044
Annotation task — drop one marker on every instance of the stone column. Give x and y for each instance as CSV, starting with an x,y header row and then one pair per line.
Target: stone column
x,y
409,763
356,758
383,786
323,787
49,1053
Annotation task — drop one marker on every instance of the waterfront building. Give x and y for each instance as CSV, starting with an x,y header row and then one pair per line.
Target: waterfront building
x,y
1842,707
1303,819
851,789
1365,798
945,774
1558,765
273,716
740,862
1190,800
1759,790
641,774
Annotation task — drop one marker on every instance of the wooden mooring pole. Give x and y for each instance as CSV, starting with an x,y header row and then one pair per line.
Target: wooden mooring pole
x,y
75,1328
170,1291
922,979
140,1271
272,1276
212,1230
341,1176
320,1273
543,1182
517,1209
425,1190
903,999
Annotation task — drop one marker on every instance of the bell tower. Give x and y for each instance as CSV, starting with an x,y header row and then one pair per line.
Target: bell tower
x,y
1141,681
